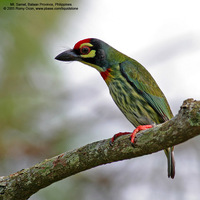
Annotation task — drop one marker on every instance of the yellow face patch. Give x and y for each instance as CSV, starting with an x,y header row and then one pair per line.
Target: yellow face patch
x,y
91,54
86,44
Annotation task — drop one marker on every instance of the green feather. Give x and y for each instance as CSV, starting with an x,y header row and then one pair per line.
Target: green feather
x,y
139,78
131,86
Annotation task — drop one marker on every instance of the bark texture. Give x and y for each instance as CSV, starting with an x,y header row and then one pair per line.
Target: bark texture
x,y
22,184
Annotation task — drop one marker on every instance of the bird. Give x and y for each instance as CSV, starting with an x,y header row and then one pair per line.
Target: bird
x,y
131,86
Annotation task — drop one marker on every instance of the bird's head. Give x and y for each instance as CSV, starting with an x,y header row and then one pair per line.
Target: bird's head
x,y
93,52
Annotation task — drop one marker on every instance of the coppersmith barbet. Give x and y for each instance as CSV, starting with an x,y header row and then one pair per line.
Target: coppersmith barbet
x,y
131,86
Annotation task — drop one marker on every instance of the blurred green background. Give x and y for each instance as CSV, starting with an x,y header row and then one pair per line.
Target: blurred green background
x,y
48,107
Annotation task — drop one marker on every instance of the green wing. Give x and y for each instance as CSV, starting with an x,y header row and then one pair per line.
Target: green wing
x,y
141,80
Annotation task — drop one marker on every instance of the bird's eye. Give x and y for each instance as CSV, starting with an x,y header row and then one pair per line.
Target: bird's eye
x,y
85,50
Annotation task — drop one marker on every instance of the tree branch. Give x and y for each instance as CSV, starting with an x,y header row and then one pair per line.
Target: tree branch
x,y
22,184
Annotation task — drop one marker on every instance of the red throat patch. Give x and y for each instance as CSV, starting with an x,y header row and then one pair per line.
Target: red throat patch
x,y
106,74
77,45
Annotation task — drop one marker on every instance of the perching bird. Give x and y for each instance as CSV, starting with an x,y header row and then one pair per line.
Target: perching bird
x,y
131,86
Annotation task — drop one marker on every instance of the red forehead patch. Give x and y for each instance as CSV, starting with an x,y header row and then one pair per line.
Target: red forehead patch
x,y
77,45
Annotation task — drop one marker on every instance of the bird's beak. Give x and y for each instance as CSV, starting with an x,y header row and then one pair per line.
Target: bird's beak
x,y
68,55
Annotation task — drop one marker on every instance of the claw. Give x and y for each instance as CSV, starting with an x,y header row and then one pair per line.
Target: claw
x,y
139,128
133,134
133,145
116,136
111,143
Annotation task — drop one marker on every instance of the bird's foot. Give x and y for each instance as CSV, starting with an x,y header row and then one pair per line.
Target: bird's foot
x,y
138,129
133,134
116,136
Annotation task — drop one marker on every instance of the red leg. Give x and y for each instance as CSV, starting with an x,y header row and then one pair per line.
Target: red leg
x,y
139,128
133,134
118,135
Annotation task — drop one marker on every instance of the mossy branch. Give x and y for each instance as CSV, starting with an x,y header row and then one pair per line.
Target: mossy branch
x,y
22,184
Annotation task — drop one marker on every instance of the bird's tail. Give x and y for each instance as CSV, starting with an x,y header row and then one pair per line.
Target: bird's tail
x,y
171,162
